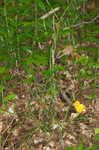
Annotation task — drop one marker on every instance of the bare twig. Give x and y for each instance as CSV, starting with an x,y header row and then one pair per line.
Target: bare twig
x,y
49,13
82,23
9,126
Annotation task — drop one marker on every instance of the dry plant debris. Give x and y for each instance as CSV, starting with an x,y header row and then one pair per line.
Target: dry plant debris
x,y
20,128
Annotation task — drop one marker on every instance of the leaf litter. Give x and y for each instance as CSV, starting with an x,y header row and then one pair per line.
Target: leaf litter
x,y
27,121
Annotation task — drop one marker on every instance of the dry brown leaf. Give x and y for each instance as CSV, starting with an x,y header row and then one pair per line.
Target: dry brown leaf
x,y
93,6
50,42
68,50
1,126
16,132
75,55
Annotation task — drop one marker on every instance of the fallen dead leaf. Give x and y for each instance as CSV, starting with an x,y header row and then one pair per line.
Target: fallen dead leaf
x,y
47,148
68,50
1,126
16,132
52,144
93,6
75,55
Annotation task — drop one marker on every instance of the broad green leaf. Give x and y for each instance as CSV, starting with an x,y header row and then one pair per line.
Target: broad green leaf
x,y
97,137
96,131
9,98
71,148
2,70
2,112
4,107
83,60
80,146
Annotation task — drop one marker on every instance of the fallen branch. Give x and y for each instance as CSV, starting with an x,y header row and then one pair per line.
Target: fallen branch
x,y
82,23
49,13
9,126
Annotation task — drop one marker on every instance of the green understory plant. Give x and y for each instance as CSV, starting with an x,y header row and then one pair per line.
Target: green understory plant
x,y
31,44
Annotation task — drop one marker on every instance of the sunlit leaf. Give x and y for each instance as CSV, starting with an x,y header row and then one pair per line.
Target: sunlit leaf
x,y
9,98
96,131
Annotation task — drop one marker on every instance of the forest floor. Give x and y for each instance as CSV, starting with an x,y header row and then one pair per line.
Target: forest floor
x,y
37,122
49,61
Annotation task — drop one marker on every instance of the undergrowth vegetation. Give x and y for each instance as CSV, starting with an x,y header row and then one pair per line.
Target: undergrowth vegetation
x,y
46,47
